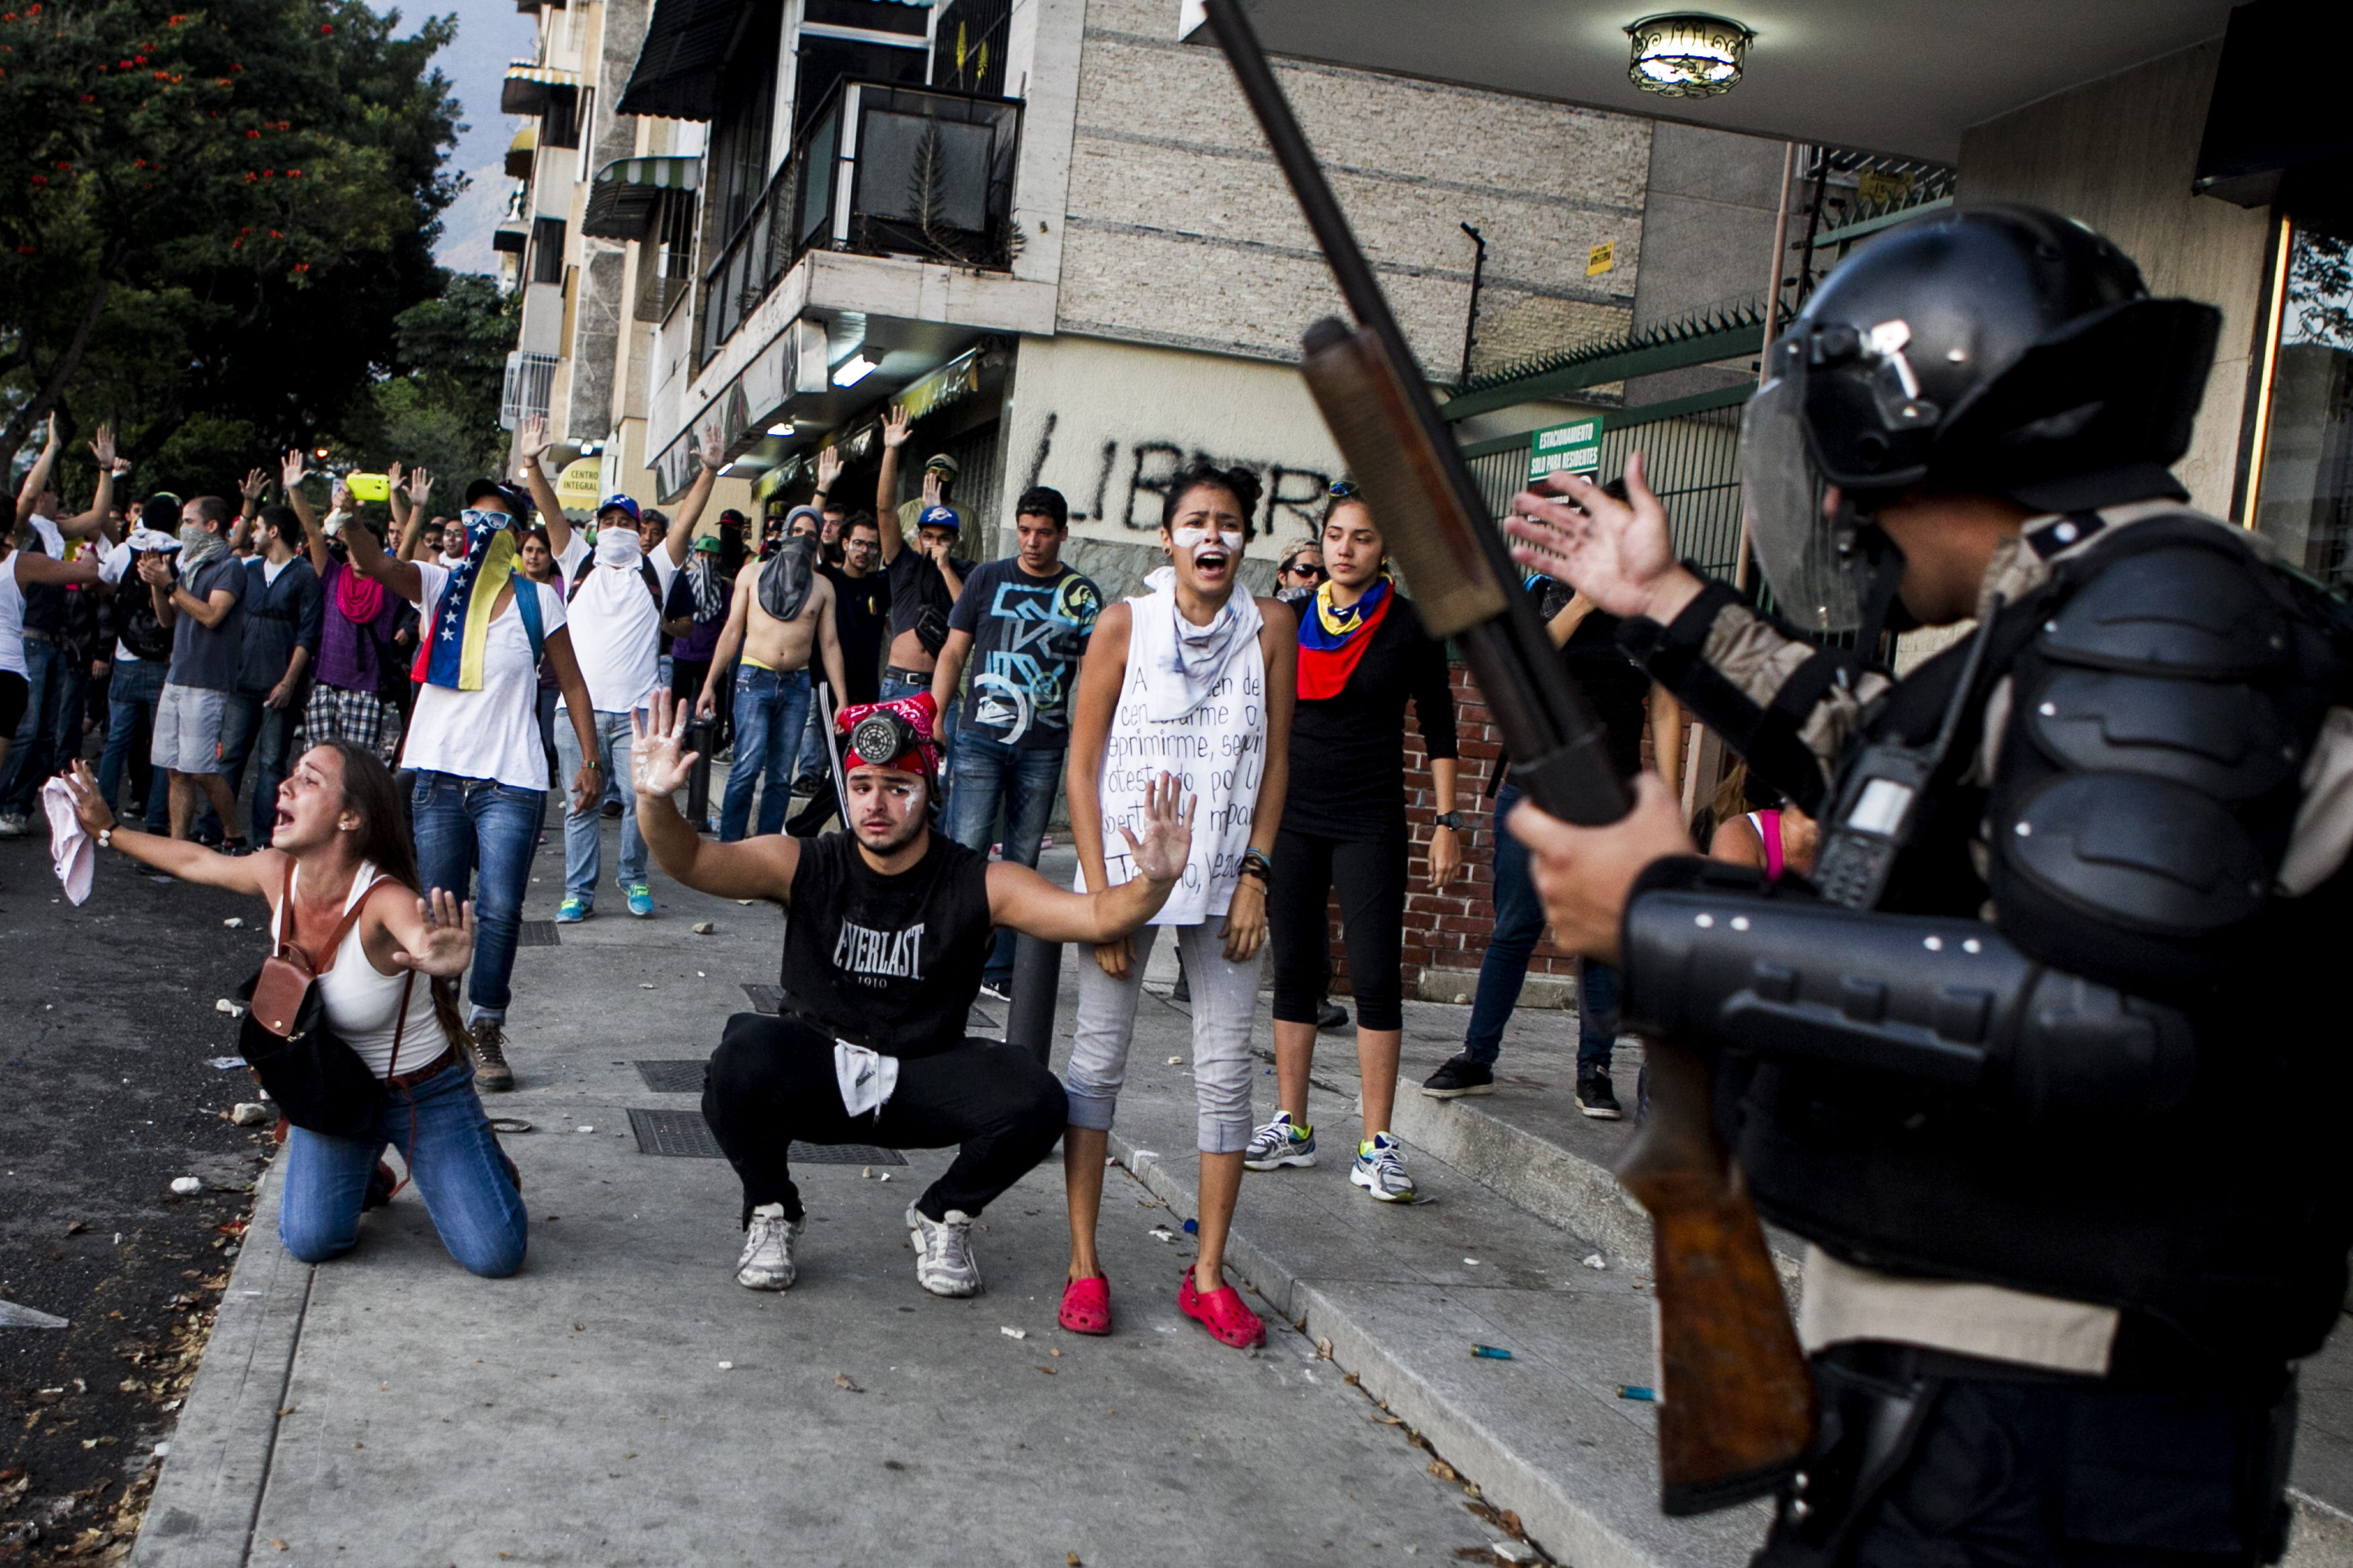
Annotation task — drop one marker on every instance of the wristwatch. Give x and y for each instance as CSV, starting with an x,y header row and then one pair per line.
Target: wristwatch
x,y
1453,819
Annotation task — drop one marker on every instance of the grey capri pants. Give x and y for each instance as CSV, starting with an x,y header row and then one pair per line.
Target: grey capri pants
x,y
1224,994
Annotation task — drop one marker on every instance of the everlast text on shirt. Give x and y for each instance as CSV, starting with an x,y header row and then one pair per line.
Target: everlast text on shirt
x,y
877,957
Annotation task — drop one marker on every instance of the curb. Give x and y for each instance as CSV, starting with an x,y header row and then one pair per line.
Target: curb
x,y
1552,1518
209,1493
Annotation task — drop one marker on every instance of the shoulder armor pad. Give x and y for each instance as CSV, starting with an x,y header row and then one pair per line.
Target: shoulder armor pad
x,y
2185,610
2143,854
2224,740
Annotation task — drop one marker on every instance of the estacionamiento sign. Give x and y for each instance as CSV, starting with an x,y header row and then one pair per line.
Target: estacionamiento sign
x,y
1574,448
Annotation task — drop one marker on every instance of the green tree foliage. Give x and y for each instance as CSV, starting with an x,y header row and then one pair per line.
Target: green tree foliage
x,y
439,409
211,220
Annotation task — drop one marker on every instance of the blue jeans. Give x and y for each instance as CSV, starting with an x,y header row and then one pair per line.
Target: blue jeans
x,y
772,707
465,827
49,735
469,1187
252,729
894,690
990,773
129,726
583,830
1519,926
811,764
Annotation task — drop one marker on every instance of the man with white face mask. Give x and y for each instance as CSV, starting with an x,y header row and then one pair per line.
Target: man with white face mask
x,y
615,588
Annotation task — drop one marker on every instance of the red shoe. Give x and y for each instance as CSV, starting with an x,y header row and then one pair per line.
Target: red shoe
x,y
1222,1314
1086,1305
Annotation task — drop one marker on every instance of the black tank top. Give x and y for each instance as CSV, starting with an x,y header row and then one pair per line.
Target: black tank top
x,y
891,963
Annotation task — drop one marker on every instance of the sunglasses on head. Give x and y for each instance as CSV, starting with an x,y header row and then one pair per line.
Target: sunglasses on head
x,y
1342,490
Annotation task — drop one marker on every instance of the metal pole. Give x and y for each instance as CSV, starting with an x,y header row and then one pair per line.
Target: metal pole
x,y
1037,984
703,734
1740,573
1478,275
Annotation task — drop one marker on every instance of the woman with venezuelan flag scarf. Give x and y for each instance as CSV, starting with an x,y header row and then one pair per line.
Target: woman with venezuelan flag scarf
x,y
1363,654
473,742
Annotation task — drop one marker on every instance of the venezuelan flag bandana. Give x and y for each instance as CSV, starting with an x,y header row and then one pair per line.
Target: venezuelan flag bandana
x,y
452,655
1334,637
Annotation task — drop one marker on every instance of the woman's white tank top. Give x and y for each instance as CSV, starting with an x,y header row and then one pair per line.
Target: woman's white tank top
x,y
12,618
364,1005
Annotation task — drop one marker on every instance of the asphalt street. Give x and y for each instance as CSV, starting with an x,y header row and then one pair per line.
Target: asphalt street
x,y
109,1020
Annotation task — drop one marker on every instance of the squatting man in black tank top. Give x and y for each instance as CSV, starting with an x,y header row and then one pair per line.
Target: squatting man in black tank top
x,y
889,925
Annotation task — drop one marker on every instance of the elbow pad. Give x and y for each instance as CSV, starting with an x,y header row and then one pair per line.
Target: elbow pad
x,y
1942,1002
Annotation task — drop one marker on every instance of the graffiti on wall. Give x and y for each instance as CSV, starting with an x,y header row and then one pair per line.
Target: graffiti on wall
x,y
1123,482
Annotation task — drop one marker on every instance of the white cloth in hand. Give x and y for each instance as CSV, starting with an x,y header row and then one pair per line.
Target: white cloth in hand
x,y
70,850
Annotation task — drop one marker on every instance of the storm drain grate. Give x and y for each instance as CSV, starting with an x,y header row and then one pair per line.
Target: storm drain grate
x,y
684,1133
537,933
673,1076
764,998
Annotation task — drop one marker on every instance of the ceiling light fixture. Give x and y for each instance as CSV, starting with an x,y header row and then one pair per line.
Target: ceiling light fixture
x,y
1687,54
853,370
784,427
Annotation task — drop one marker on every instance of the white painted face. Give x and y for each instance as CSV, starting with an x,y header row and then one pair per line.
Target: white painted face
x,y
1192,538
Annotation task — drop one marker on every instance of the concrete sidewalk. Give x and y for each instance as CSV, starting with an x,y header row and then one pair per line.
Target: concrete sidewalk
x,y
623,1401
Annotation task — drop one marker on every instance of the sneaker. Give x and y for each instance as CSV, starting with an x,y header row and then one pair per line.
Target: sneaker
x,y
998,990
573,910
943,1261
1597,1099
1281,1142
767,1260
13,825
1380,1170
1459,1077
1330,1016
641,899
487,1044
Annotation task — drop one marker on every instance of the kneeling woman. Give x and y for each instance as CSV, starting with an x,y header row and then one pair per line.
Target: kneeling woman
x,y
341,882
1197,673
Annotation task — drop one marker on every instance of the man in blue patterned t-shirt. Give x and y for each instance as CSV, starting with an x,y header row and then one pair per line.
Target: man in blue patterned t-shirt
x,y
1022,622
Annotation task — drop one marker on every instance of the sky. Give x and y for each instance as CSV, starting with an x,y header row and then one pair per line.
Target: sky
x,y
489,34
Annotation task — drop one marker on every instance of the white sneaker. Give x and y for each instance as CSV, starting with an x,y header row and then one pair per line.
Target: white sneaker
x,y
943,1261
1380,1170
13,825
767,1262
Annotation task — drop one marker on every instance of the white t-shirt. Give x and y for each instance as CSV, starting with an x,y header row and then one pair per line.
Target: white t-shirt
x,y
616,626
12,618
492,733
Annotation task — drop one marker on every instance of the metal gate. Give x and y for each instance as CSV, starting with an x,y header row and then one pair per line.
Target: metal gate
x,y
1692,462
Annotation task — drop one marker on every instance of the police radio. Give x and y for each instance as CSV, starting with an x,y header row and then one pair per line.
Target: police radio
x,y
1878,804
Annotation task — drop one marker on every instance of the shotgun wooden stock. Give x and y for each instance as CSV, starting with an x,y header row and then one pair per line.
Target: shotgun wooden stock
x,y
1736,1403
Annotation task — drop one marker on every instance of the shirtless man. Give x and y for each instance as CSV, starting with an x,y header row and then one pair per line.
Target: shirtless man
x,y
889,925
782,612
926,577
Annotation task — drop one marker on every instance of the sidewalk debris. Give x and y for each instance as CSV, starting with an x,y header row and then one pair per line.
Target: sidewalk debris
x,y
235,1009
1595,1261
509,1124
1014,1334
727,1366
188,1186
841,1379
1162,1233
1491,1353
704,928
235,922
224,1063
584,1129
251,1113
1637,1392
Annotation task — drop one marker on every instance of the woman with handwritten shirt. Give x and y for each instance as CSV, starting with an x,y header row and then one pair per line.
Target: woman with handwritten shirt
x,y
1195,676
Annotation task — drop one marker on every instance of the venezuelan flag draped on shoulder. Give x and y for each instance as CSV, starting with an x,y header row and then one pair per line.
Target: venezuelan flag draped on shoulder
x,y
452,655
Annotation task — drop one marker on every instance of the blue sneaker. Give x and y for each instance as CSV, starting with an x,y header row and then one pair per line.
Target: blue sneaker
x,y
641,899
573,910
1281,1142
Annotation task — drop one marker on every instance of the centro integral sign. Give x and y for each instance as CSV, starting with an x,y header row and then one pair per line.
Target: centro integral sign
x,y
1566,448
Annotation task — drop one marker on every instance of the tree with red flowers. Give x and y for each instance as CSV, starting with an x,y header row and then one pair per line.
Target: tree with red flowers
x,y
209,218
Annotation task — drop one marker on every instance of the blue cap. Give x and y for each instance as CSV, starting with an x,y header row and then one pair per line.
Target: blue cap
x,y
940,517
624,502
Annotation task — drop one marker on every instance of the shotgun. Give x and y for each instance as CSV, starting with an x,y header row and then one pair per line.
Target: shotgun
x,y
1735,1408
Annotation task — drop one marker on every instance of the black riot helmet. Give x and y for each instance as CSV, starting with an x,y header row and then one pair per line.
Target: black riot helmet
x,y
1994,351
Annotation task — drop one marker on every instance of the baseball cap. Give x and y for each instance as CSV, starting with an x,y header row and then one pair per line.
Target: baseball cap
x,y
709,545
517,505
622,501
945,464
940,517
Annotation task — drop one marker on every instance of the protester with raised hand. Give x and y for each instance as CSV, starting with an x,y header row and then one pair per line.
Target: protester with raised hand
x,y
21,569
1200,673
615,591
142,652
344,892
482,778
357,617
47,731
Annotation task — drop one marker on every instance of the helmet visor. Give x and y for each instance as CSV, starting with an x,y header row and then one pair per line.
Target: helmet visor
x,y
1813,578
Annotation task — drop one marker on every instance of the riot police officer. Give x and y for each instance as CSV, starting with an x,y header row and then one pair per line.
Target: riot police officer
x,y
2038,1064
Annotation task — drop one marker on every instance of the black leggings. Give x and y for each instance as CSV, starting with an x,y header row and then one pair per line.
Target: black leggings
x,y
1370,878
771,1081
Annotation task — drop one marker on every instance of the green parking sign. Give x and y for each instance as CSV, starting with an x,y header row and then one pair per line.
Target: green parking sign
x,y
1573,448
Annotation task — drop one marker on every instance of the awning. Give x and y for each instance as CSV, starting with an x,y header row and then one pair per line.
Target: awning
x,y
2265,144
518,152
528,87
514,241
677,76
627,191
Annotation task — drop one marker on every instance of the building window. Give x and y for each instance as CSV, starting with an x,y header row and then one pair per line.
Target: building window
x,y
857,40
2301,498
547,251
560,121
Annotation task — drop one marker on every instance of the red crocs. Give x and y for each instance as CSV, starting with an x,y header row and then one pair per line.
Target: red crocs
x,y
1222,1314
1086,1305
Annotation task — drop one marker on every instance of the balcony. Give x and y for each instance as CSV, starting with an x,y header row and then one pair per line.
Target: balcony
x,y
529,384
881,171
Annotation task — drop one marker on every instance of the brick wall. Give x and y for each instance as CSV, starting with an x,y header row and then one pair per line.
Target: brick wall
x,y
1448,930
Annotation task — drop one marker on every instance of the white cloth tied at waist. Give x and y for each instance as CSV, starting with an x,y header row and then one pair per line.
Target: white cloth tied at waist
x,y
867,1079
